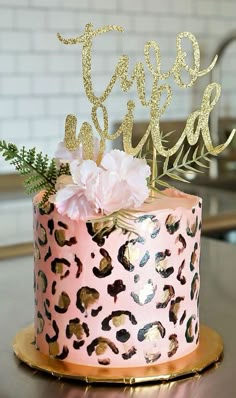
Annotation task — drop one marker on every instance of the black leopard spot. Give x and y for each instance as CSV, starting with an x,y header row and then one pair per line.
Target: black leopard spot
x,y
152,357
95,312
46,304
105,361
194,257
130,353
192,229
57,265
54,338
86,297
63,354
116,288
66,274
182,318
122,335
161,264
105,265
78,344
79,266
194,286
152,330
170,293
47,208
174,309
189,335
61,240
42,236
117,318
172,224
78,330
48,254
54,283
180,277
174,345
100,345
181,239
100,231
62,224
51,226
124,254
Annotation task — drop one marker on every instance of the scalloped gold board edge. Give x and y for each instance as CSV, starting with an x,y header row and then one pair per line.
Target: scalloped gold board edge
x,y
208,352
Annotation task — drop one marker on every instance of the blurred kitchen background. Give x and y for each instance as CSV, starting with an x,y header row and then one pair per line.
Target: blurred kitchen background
x,y
40,83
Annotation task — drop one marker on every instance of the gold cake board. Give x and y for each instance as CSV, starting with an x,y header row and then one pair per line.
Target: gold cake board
x,y
209,351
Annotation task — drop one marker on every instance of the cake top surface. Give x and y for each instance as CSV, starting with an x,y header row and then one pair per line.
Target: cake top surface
x,y
171,199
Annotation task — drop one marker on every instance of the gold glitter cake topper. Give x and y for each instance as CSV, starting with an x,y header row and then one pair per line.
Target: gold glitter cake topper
x,y
78,163
197,123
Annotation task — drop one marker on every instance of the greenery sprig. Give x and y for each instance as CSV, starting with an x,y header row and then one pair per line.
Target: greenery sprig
x,y
38,171
183,164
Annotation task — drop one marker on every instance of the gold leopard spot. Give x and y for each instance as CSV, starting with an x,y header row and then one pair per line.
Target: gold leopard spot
x,y
42,236
42,281
77,330
118,320
54,348
88,298
37,255
59,268
60,237
101,348
104,263
152,334
64,301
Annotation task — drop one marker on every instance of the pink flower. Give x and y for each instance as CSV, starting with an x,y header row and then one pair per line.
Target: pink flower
x,y
120,182
71,197
110,195
123,183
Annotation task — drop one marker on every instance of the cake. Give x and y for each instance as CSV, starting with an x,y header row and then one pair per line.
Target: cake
x,y
116,246
122,299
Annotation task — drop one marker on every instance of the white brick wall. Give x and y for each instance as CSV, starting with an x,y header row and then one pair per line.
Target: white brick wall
x,y
40,78
14,41
14,86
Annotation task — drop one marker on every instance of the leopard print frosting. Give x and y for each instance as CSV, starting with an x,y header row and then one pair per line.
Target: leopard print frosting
x,y
118,300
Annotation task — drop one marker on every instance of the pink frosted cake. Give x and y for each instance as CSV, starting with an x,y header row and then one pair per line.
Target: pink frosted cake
x,y
116,261
122,299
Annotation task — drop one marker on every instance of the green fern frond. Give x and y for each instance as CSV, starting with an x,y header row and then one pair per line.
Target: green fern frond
x,y
40,173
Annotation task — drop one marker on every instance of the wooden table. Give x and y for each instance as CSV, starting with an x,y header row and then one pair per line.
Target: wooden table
x,y
217,310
